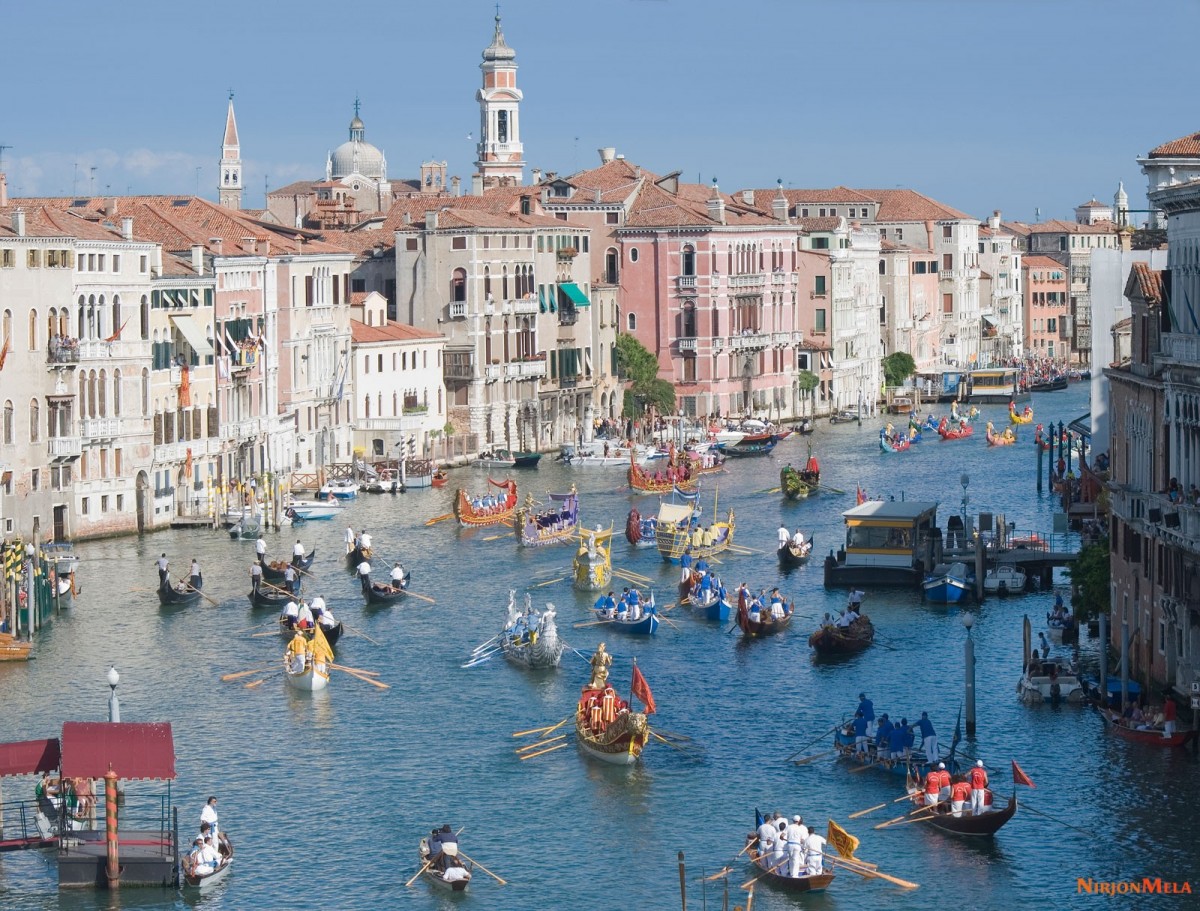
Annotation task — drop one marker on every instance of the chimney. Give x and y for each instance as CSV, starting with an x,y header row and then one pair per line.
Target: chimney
x,y
931,235
607,154
456,186
779,208
251,244
476,184
110,206
127,227
748,197
716,205
994,222
408,216
198,258
637,171
216,243
266,246
18,222
3,189
431,220
1125,238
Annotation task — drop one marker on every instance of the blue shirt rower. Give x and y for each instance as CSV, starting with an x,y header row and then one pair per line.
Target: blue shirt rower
x,y
859,724
884,732
867,707
897,741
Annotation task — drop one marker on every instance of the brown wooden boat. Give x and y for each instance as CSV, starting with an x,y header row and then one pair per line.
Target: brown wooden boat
x,y
843,640
13,649
767,626
985,824
1114,724
780,880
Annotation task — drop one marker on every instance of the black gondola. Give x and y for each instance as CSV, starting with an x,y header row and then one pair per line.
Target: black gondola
x,y
357,556
789,556
332,633
171,596
266,597
273,572
382,594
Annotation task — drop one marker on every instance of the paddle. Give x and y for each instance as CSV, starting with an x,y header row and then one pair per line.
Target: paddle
x,y
422,597
537,744
880,806
419,872
256,626
673,735
554,728
549,582
363,677
772,869
592,623
668,620
549,727
476,863
870,873
806,760
830,489
192,588
434,521
507,534
818,740
359,632
657,736
557,746
239,674
357,670
483,645
259,682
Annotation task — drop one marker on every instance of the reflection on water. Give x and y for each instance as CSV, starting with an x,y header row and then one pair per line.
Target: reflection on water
x,y
352,776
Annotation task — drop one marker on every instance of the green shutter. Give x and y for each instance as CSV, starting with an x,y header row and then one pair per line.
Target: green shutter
x,y
553,364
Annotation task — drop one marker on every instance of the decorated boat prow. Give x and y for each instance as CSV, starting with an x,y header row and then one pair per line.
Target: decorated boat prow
x,y
607,727
593,560
488,508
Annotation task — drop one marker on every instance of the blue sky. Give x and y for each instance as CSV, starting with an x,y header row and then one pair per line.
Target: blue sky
x,y
1020,105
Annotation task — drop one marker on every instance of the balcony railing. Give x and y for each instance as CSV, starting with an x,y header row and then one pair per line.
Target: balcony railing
x,y
64,447
242,430
780,339
780,278
123,350
458,310
492,372
752,280
458,371
526,369
687,282
63,352
689,344
718,343
797,338
751,341
525,306
1181,347
100,428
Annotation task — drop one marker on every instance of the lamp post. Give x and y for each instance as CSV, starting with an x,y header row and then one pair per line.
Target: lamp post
x,y
114,705
968,620
965,481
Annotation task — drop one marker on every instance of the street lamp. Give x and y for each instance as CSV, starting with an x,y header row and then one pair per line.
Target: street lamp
x,y
114,705
965,481
968,620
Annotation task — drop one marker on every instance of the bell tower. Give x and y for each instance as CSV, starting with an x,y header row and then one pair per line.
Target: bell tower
x,y
229,177
501,155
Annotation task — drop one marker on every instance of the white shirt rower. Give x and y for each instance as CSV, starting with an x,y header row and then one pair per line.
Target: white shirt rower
x,y
305,617
397,576
798,538
844,620
365,540
298,549
364,569
260,547
350,539
766,838
784,535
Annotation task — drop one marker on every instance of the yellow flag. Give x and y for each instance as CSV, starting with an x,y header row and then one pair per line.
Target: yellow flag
x,y
845,843
320,645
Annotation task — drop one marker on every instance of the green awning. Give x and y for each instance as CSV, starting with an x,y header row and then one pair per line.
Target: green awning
x,y
571,290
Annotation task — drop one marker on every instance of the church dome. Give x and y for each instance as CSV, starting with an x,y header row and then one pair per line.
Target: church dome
x,y
498,50
357,156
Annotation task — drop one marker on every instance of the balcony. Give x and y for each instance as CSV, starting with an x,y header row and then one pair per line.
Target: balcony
x,y
459,365
458,310
94,429
779,278
780,339
686,282
525,306
688,345
61,448
493,372
1181,347
797,338
718,343
63,352
750,342
526,370
243,430
118,350
751,280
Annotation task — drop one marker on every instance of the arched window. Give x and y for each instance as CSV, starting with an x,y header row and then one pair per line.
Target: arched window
x,y
504,285
458,286
145,318
116,394
395,404
116,313
631,321
6,328
8,422
487,282
34,419
366,406
51,324
687,322
612,266
91,409
145,392
439,399
33,321
102,393
688,264
81,321
100,333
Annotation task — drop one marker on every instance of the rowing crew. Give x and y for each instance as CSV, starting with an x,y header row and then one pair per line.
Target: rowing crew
x,y
629,608
300,615
780,842
940,787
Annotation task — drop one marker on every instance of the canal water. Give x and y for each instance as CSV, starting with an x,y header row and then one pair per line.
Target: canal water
x,y
326,795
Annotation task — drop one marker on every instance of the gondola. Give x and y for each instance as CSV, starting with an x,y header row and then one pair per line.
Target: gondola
x,y
774,872
486,510
984,824
767,626
529,638
439,478
358,555
526,459
592,566
790,483
384,594
1114,724
1049,384
273,572
436,878
646,625
1000,439
957,432
174,596
202,881
678,475
554,522
266,597
606,727
750,447
332,633
843,640
791,556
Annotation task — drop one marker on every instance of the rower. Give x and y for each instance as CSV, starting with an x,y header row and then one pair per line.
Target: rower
x,y
304,619
883,736
260,549
929,740
943,782
867,707
960,793
163,570
855,600
797,835
777,611
784,536
447,847
933,787
364,540
978,778
364,574
196,581
635,604
814,853
798,539
255,577
859,724
898,741
766,837
291,579
297,552
397,575
291,613
755,611
844,620
606,605
319,610
351,539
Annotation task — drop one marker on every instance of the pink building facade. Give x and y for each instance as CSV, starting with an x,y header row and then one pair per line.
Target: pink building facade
x,y
1047,308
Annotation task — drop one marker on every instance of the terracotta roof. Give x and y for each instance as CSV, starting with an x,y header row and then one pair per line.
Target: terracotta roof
x,y
1184,147
615,181
1150,282
363,334
1093,203
296,188
47,221
818,225
1036,261
909,205
836,195
1058,226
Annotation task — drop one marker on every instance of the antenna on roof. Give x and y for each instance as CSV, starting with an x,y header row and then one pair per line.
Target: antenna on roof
x,y
92,181
3,147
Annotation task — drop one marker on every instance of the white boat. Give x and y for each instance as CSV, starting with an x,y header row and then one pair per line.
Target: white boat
x,y
385,481
1004,579
314,510
595,455
314,677
245,516
203,881
529,638
343,490
1050,680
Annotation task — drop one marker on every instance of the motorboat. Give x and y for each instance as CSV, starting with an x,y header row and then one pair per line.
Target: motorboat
x,y
1004,579
343,490
948,584
314,510
1050,680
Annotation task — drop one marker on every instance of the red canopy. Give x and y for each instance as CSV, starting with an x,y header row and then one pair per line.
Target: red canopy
x,y
89,748
29,757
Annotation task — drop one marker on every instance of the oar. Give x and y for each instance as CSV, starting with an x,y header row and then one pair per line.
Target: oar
x,y
549,727
773,490
255,683
593,623
830,489
357,670
476,863
818,740
270,632
434,521
422,597
720,874
483,645
507,534
772,869
359,632
554,728
746,847
870,873
239,674
256,626
807,759
549,582
363,677
557,746
192,588
920,814
657,736
673,735
537,744
668,620
419,872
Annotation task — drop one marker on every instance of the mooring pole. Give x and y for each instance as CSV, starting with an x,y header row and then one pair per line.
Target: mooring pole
x,y
1038,446
1069,451
682,883
113,867
1104,658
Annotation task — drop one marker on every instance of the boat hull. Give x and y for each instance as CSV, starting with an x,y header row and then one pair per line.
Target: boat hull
x,y
835,640
818,882
789,557
945,591
1154,738
169,596
312,511
310,680
620,744
434,878
983,825
916,768
204,881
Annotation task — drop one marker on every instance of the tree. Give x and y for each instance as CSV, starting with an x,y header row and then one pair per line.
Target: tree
x,y
1090,576
897,367
639,367
806,382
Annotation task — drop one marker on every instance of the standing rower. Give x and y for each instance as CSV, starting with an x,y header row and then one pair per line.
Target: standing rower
x,y
978,778
867,707
928,738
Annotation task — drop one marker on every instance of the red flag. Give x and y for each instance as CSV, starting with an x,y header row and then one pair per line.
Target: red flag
x,y
1019,776
116,335
860,496
641,689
